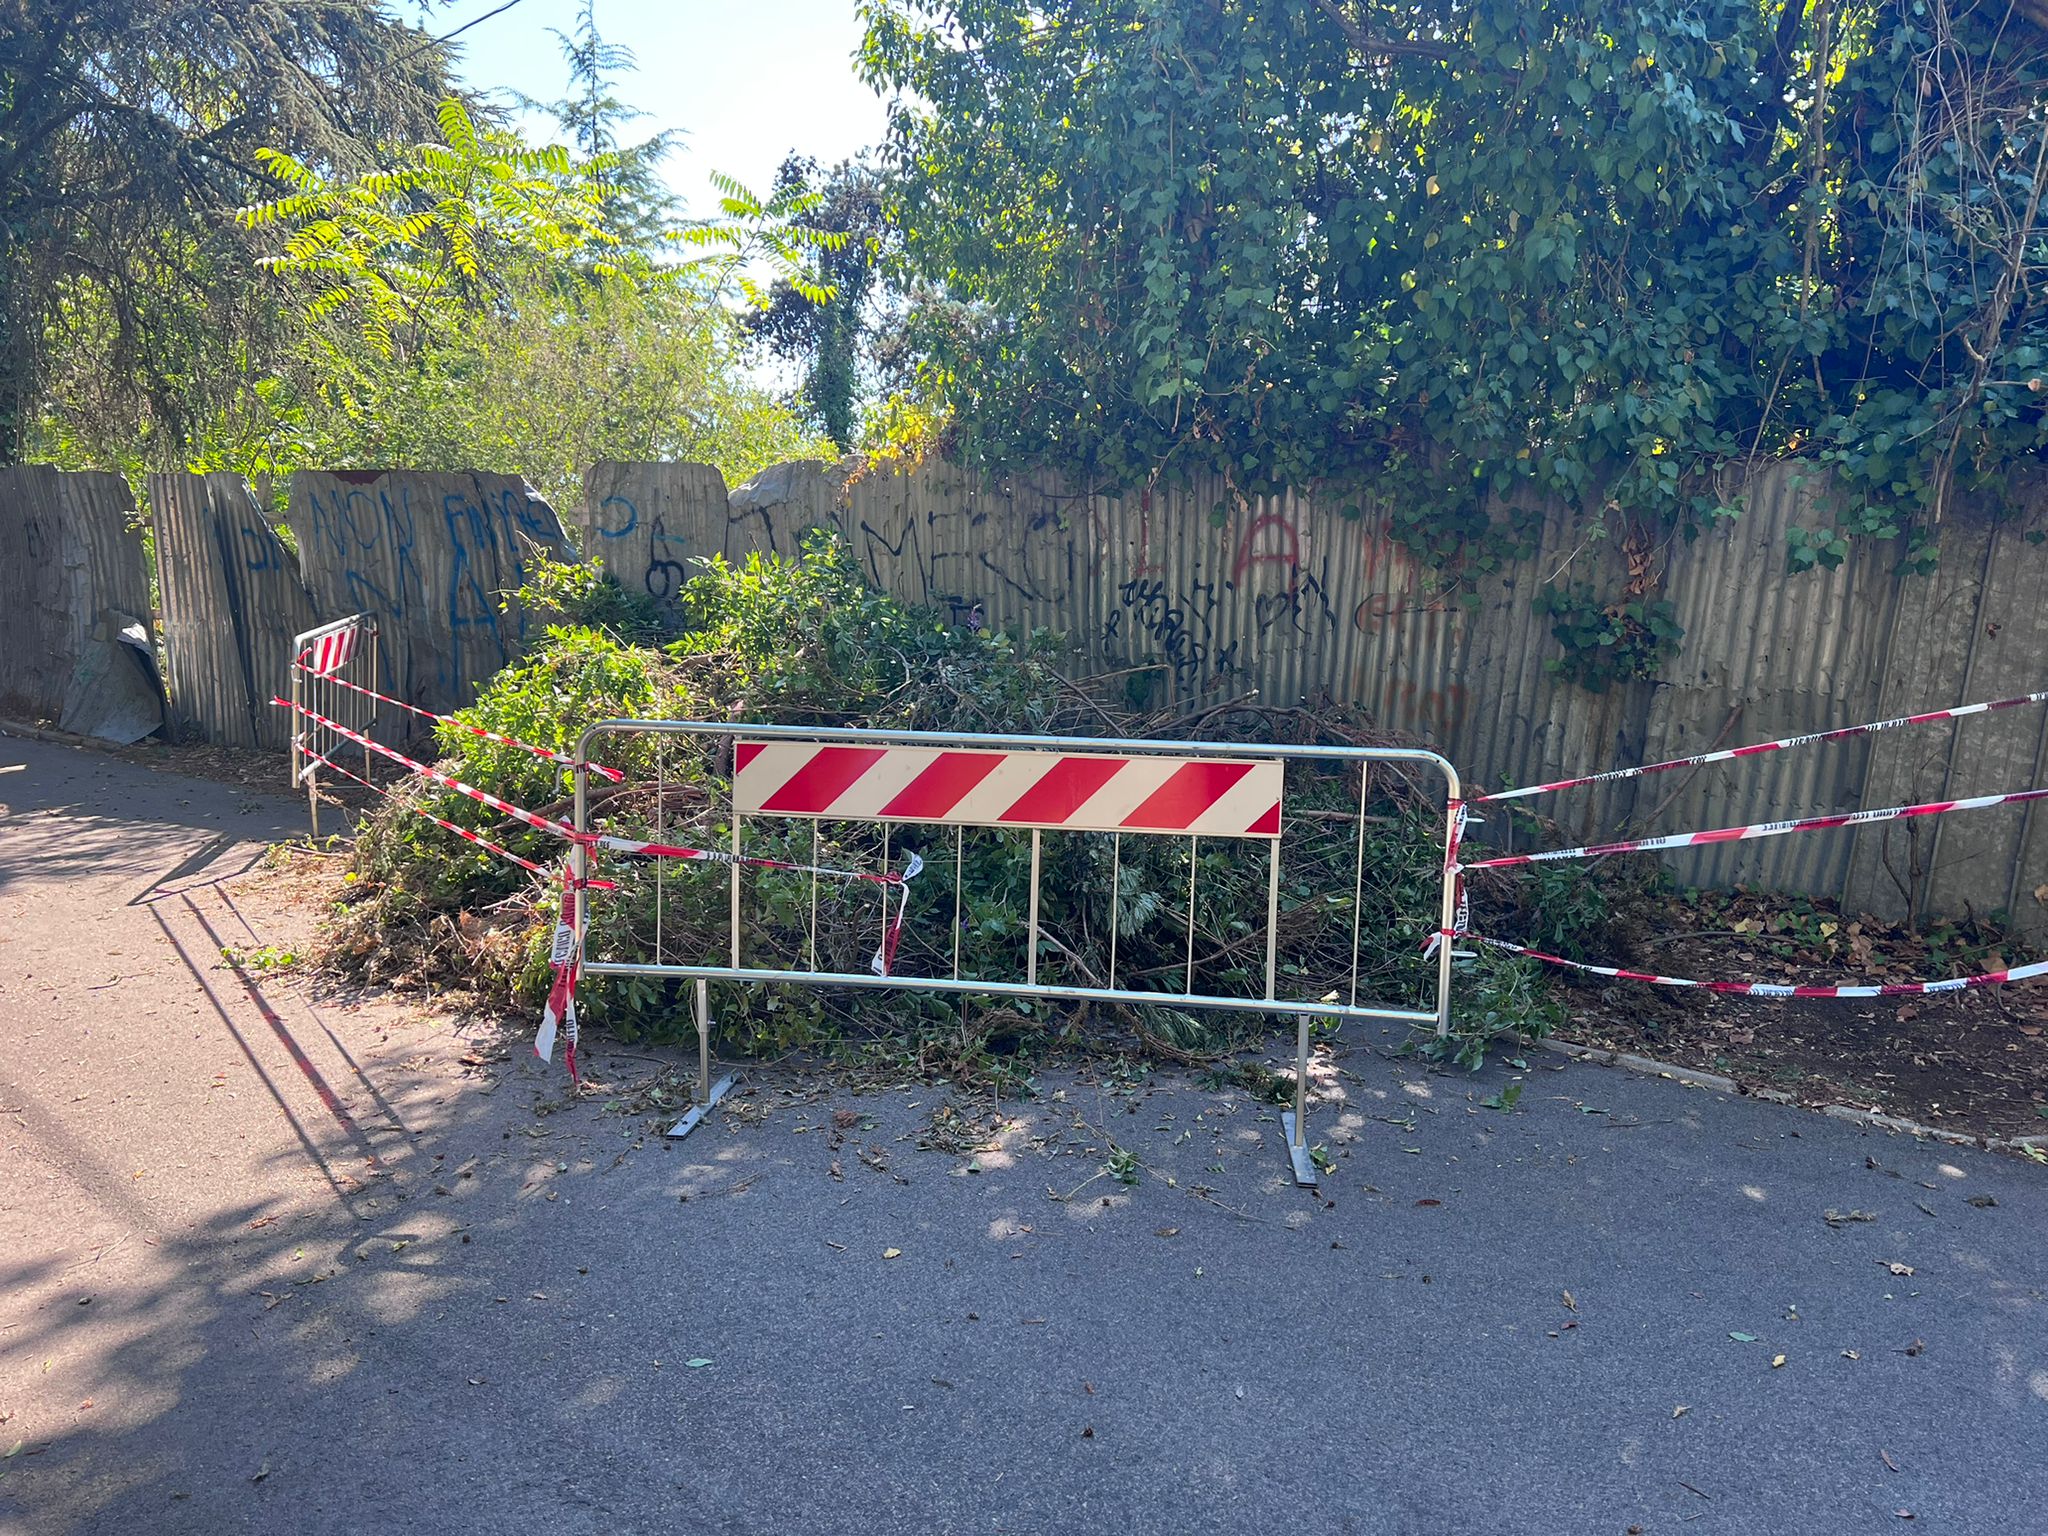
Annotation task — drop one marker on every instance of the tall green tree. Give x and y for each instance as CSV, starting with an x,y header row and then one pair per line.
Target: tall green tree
x,y
1451,250
831,328
130,133
637,202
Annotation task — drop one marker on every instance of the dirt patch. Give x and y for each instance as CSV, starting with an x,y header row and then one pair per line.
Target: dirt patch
x,y
1974,1061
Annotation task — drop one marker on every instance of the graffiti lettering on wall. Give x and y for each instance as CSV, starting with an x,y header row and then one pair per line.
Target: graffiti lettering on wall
x,y
391,554
915,552
663,578
1209,632
1270,540
1171,625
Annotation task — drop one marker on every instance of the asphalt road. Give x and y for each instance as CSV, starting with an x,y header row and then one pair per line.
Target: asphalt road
x,y
273,1264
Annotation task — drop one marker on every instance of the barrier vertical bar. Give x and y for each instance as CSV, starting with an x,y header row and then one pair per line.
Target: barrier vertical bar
x,y
1295,1120
1294,1123
298,722
1272,915
1449,908
1358,876
660,831
1194,858
579,851
735,888
319,702
370,728
1116,890
1031,959
703,1041
959,862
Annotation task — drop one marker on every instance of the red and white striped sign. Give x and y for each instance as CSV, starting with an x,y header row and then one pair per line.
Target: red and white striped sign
x,y
330,652
1067,791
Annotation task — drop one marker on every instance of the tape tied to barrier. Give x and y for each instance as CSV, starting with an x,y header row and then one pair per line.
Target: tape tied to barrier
x,y
1762,829
546,754
1777,989
1783,744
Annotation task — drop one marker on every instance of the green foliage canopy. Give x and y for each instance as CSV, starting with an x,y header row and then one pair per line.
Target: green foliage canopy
x,y
1597,248
129,132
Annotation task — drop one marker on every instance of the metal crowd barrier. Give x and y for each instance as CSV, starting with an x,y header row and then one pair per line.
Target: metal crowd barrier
x,y
919,781
323,663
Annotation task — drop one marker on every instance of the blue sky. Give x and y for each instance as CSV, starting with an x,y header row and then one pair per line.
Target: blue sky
x,y
744,83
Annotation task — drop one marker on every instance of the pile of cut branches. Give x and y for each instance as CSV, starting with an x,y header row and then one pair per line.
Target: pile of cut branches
x,y
807,642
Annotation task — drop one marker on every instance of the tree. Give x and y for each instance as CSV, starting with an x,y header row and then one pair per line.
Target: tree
x,y
562,370
428,237
827,328
1450,251
129,134
637,202
473,303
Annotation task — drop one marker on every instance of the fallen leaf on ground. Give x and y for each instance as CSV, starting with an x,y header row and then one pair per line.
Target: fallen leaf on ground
x,y
1571,1302
1852,1354
1981,1202
1887,1455
1681,1410
1896,1267
1835,1218
1776,1361
1166,1231
1743,1338
1914,1348
697,1364
892,1253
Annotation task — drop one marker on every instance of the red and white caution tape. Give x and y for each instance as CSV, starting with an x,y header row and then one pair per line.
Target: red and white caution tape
x,y
1763,829
546,754
1771,989
1784,744
482,796
565,954
420,810
1454,839
892,931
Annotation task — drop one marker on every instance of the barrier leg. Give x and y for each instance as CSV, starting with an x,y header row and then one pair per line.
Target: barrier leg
x,y
1294,1121
708,1092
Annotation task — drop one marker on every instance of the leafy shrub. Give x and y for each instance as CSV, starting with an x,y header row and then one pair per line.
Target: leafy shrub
x,y
807,642
1608,642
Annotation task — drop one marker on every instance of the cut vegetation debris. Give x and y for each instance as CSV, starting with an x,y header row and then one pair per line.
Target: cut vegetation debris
x,y
806,641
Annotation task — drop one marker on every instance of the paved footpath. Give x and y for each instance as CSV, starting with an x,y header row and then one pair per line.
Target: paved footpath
x,y
273,1264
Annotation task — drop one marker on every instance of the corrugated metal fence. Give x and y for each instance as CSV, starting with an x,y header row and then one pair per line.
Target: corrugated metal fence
x,y
74,588
432,557
1292,597
1295,599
